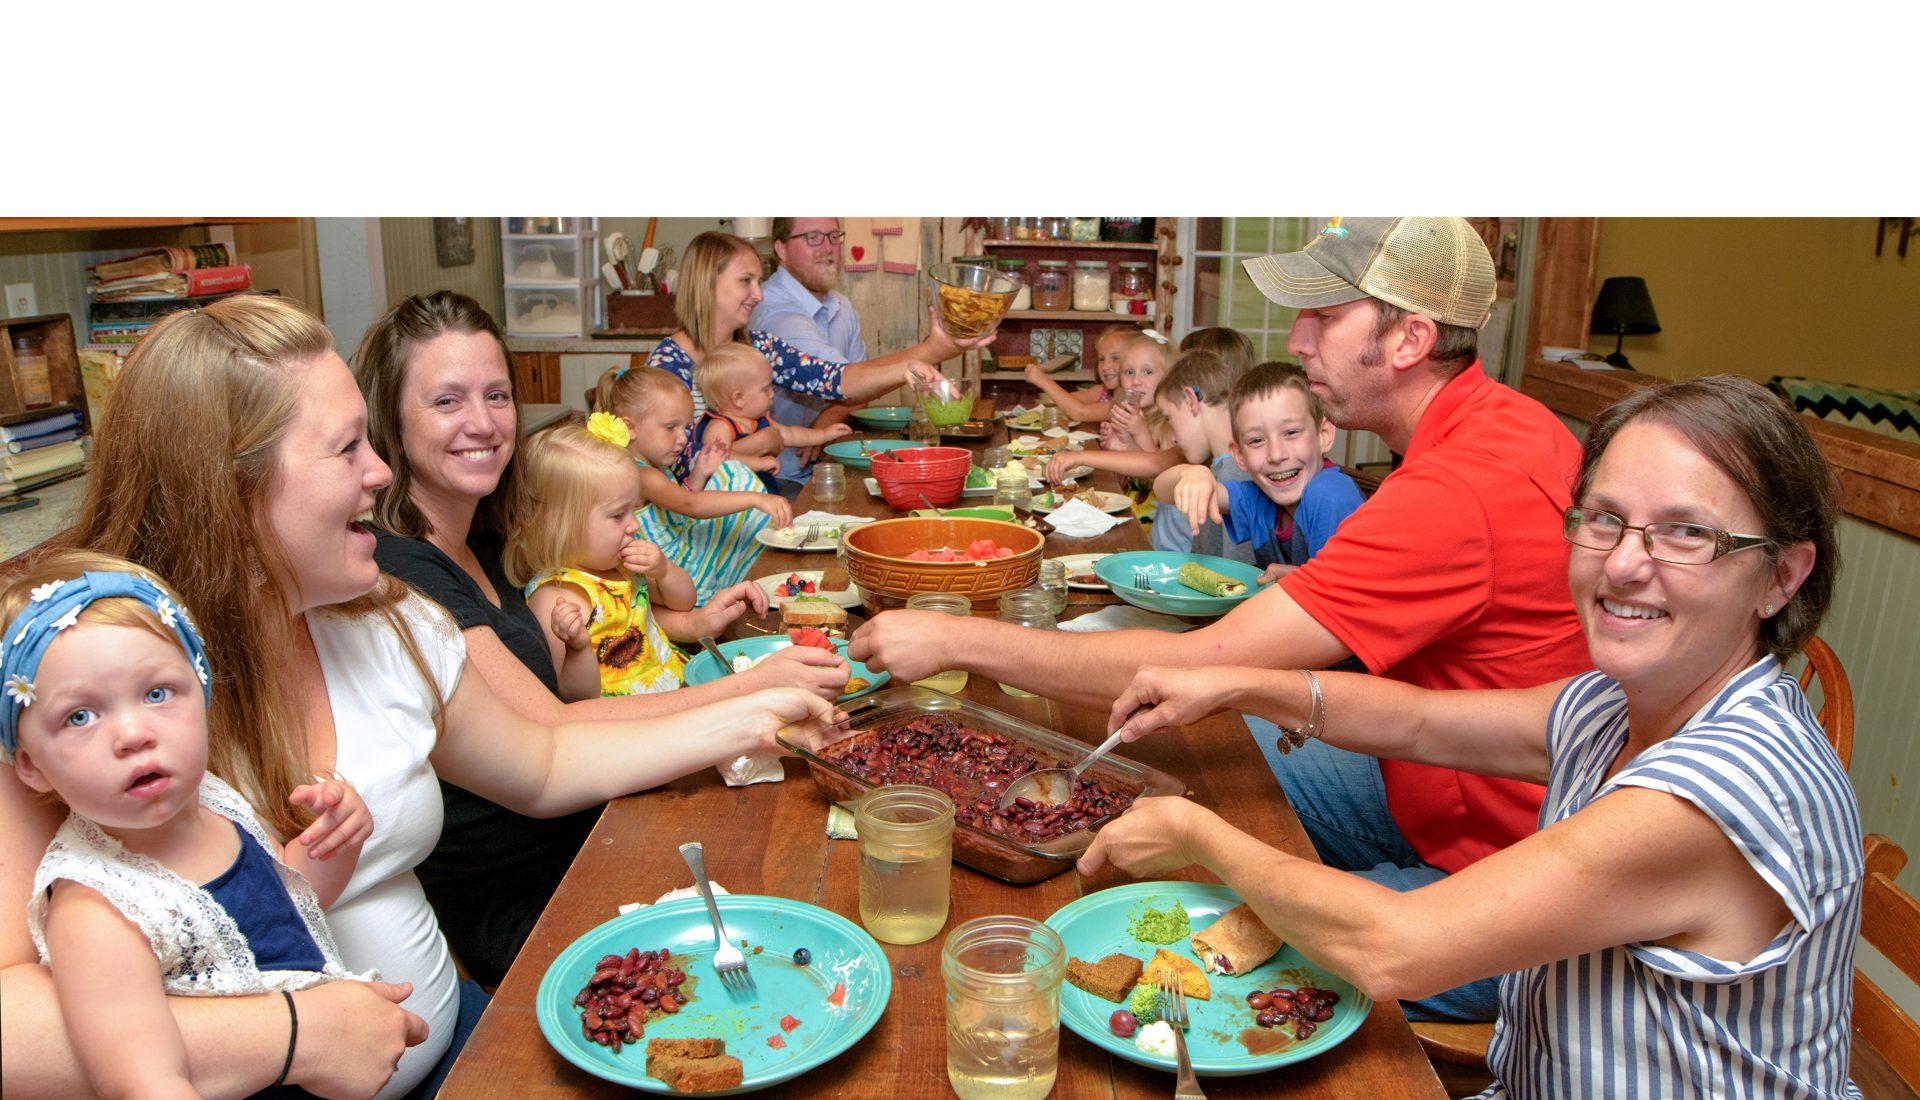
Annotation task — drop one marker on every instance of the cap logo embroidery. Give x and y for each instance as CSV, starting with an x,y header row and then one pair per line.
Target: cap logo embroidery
x,y
1335,229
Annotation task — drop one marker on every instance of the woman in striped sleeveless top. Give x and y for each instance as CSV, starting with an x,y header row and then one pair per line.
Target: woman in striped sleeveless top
x,y
1683,923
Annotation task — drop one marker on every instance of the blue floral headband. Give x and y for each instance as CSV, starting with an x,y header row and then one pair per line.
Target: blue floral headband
x,y
56,606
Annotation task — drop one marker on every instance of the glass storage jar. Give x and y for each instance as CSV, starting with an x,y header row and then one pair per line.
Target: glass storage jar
x,y
1025,229
1017,271
906,861
1003,1007
1050,286
1011,489
32,370
1050,229
1083,229
1132,283
1032,607
1000,229
947,603
829,482
1092,282
1053,579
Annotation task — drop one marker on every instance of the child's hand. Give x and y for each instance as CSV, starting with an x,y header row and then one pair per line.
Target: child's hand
x,y
776,508
1059,464
1196,495
1274,572
1122,415
341,818
569,624
1034,374
711,458
838,431
642,559
760,463
730,603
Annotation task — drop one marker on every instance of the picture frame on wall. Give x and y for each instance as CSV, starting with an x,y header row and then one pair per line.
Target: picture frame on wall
x,y
453,241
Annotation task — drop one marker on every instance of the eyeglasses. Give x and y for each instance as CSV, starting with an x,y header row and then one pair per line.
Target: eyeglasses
x,y
815,238
1674,543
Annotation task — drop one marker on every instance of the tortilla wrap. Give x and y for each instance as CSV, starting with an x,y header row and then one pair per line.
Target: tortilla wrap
x,y
1234,944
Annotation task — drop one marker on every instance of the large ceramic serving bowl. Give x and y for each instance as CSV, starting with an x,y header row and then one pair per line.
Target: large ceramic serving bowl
x,y
877,557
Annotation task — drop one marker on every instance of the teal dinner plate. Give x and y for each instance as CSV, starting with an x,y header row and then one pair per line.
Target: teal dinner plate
x,y
848,451
842,954
1164,592
701,667
1096,926
884,416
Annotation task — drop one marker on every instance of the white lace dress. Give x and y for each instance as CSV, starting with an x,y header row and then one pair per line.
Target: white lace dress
x,y
202,952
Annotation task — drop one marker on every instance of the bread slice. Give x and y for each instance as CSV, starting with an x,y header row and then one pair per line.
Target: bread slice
x,y
1111,978
722,1071
685,1048
821,613
834,579
1192,982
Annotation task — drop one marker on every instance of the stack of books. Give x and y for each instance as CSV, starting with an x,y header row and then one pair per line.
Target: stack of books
x,y
132,293
36,450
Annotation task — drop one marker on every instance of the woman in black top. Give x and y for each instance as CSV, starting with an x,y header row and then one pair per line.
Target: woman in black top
x,y
441,413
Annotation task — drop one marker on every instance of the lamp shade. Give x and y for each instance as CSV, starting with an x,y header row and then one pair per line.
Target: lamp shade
x,y
1625,308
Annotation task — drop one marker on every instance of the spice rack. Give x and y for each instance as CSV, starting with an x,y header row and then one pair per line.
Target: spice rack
x,y
1017,326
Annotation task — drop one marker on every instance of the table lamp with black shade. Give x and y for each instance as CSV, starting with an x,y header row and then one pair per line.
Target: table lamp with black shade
x,y
1624,309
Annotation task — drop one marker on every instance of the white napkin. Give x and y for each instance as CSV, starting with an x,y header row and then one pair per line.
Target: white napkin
x,y
1080,520
1059,433
674,895
1125,616
1025,442
1082,437
828,519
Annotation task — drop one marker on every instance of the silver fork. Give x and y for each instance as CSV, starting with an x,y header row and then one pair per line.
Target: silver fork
x,y
1142,579
813,532
728,961
1173,1009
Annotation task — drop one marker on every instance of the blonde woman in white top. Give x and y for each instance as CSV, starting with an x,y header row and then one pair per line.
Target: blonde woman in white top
x,y
234,461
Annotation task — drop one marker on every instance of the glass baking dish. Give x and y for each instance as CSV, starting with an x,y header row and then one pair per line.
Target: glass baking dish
x,y
1002,857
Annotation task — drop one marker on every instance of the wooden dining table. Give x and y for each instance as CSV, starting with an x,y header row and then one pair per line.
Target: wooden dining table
x,y
770,838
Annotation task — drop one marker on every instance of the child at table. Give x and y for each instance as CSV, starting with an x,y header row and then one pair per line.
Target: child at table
x,y
1092,404
737,382
1194,398
1231,345
708,525
1134,424
589,578
1295,499
161,880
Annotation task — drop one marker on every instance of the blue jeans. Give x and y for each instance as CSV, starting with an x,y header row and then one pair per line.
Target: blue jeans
x,y
473,1001
1342,801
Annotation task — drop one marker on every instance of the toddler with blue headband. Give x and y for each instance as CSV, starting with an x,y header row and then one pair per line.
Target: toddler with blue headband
x,y
162,880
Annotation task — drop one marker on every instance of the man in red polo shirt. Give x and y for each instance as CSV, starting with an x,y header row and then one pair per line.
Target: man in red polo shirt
x,y
1453,575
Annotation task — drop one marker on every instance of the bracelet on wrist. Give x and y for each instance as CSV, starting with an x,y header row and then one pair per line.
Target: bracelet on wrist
x,y
293,1036
1292,738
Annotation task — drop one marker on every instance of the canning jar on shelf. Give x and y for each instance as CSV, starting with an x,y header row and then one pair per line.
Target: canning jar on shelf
x,y
1000,229
1132,283
1050,287
1016,269
1083,229
1050,229
1091,285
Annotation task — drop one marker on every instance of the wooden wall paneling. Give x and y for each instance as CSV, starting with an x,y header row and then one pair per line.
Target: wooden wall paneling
x,y
1566,257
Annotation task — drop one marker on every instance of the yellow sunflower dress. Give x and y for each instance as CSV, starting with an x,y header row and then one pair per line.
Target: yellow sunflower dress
x,y
635,655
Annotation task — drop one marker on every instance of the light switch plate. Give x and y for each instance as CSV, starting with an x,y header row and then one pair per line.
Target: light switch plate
x,y
21,300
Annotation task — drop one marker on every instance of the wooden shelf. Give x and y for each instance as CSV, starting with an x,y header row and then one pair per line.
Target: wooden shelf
x,y
1021,376
1100,246
47,225
1075,315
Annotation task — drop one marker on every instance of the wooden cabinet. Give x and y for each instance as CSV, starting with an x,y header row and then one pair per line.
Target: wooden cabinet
x,y
536,377
544,377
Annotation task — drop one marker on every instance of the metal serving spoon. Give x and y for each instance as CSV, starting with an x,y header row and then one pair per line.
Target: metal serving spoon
x,y
1052,786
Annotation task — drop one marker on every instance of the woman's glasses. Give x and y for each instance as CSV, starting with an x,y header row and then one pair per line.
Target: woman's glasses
x,y
1674,543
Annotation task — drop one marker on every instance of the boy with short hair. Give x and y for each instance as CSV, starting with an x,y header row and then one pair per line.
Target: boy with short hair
x,y
1294,499
1194,399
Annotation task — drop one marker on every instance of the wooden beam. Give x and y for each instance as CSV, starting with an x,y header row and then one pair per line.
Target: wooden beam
x,y
1879,475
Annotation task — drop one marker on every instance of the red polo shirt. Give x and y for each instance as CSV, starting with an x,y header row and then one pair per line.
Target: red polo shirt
x,y
1454,575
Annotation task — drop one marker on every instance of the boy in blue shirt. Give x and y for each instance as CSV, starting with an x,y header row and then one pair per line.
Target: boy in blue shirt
x,y
1294,499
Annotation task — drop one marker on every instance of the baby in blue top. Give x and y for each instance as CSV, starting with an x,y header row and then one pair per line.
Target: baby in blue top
x,y
1294,499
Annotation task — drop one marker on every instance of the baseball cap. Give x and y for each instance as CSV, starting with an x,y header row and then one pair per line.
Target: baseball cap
x,y
1433,266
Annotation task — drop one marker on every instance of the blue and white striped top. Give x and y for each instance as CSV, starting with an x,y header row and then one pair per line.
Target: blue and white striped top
x,y
1648,1021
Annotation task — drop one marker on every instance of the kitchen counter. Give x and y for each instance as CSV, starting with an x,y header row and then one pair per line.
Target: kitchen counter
x,y
59,503
583,345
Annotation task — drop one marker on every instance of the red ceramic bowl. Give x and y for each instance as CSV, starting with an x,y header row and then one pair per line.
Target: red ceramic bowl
x,y
939,473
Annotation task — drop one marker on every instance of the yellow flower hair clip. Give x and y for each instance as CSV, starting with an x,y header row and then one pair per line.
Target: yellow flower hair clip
x,y
608,428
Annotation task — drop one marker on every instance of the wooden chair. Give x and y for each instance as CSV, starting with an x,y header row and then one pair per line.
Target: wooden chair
x,y
1459,1051
1836,696
1886,1041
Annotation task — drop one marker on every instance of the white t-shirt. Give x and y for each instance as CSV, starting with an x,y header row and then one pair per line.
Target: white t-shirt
x,y
383,723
